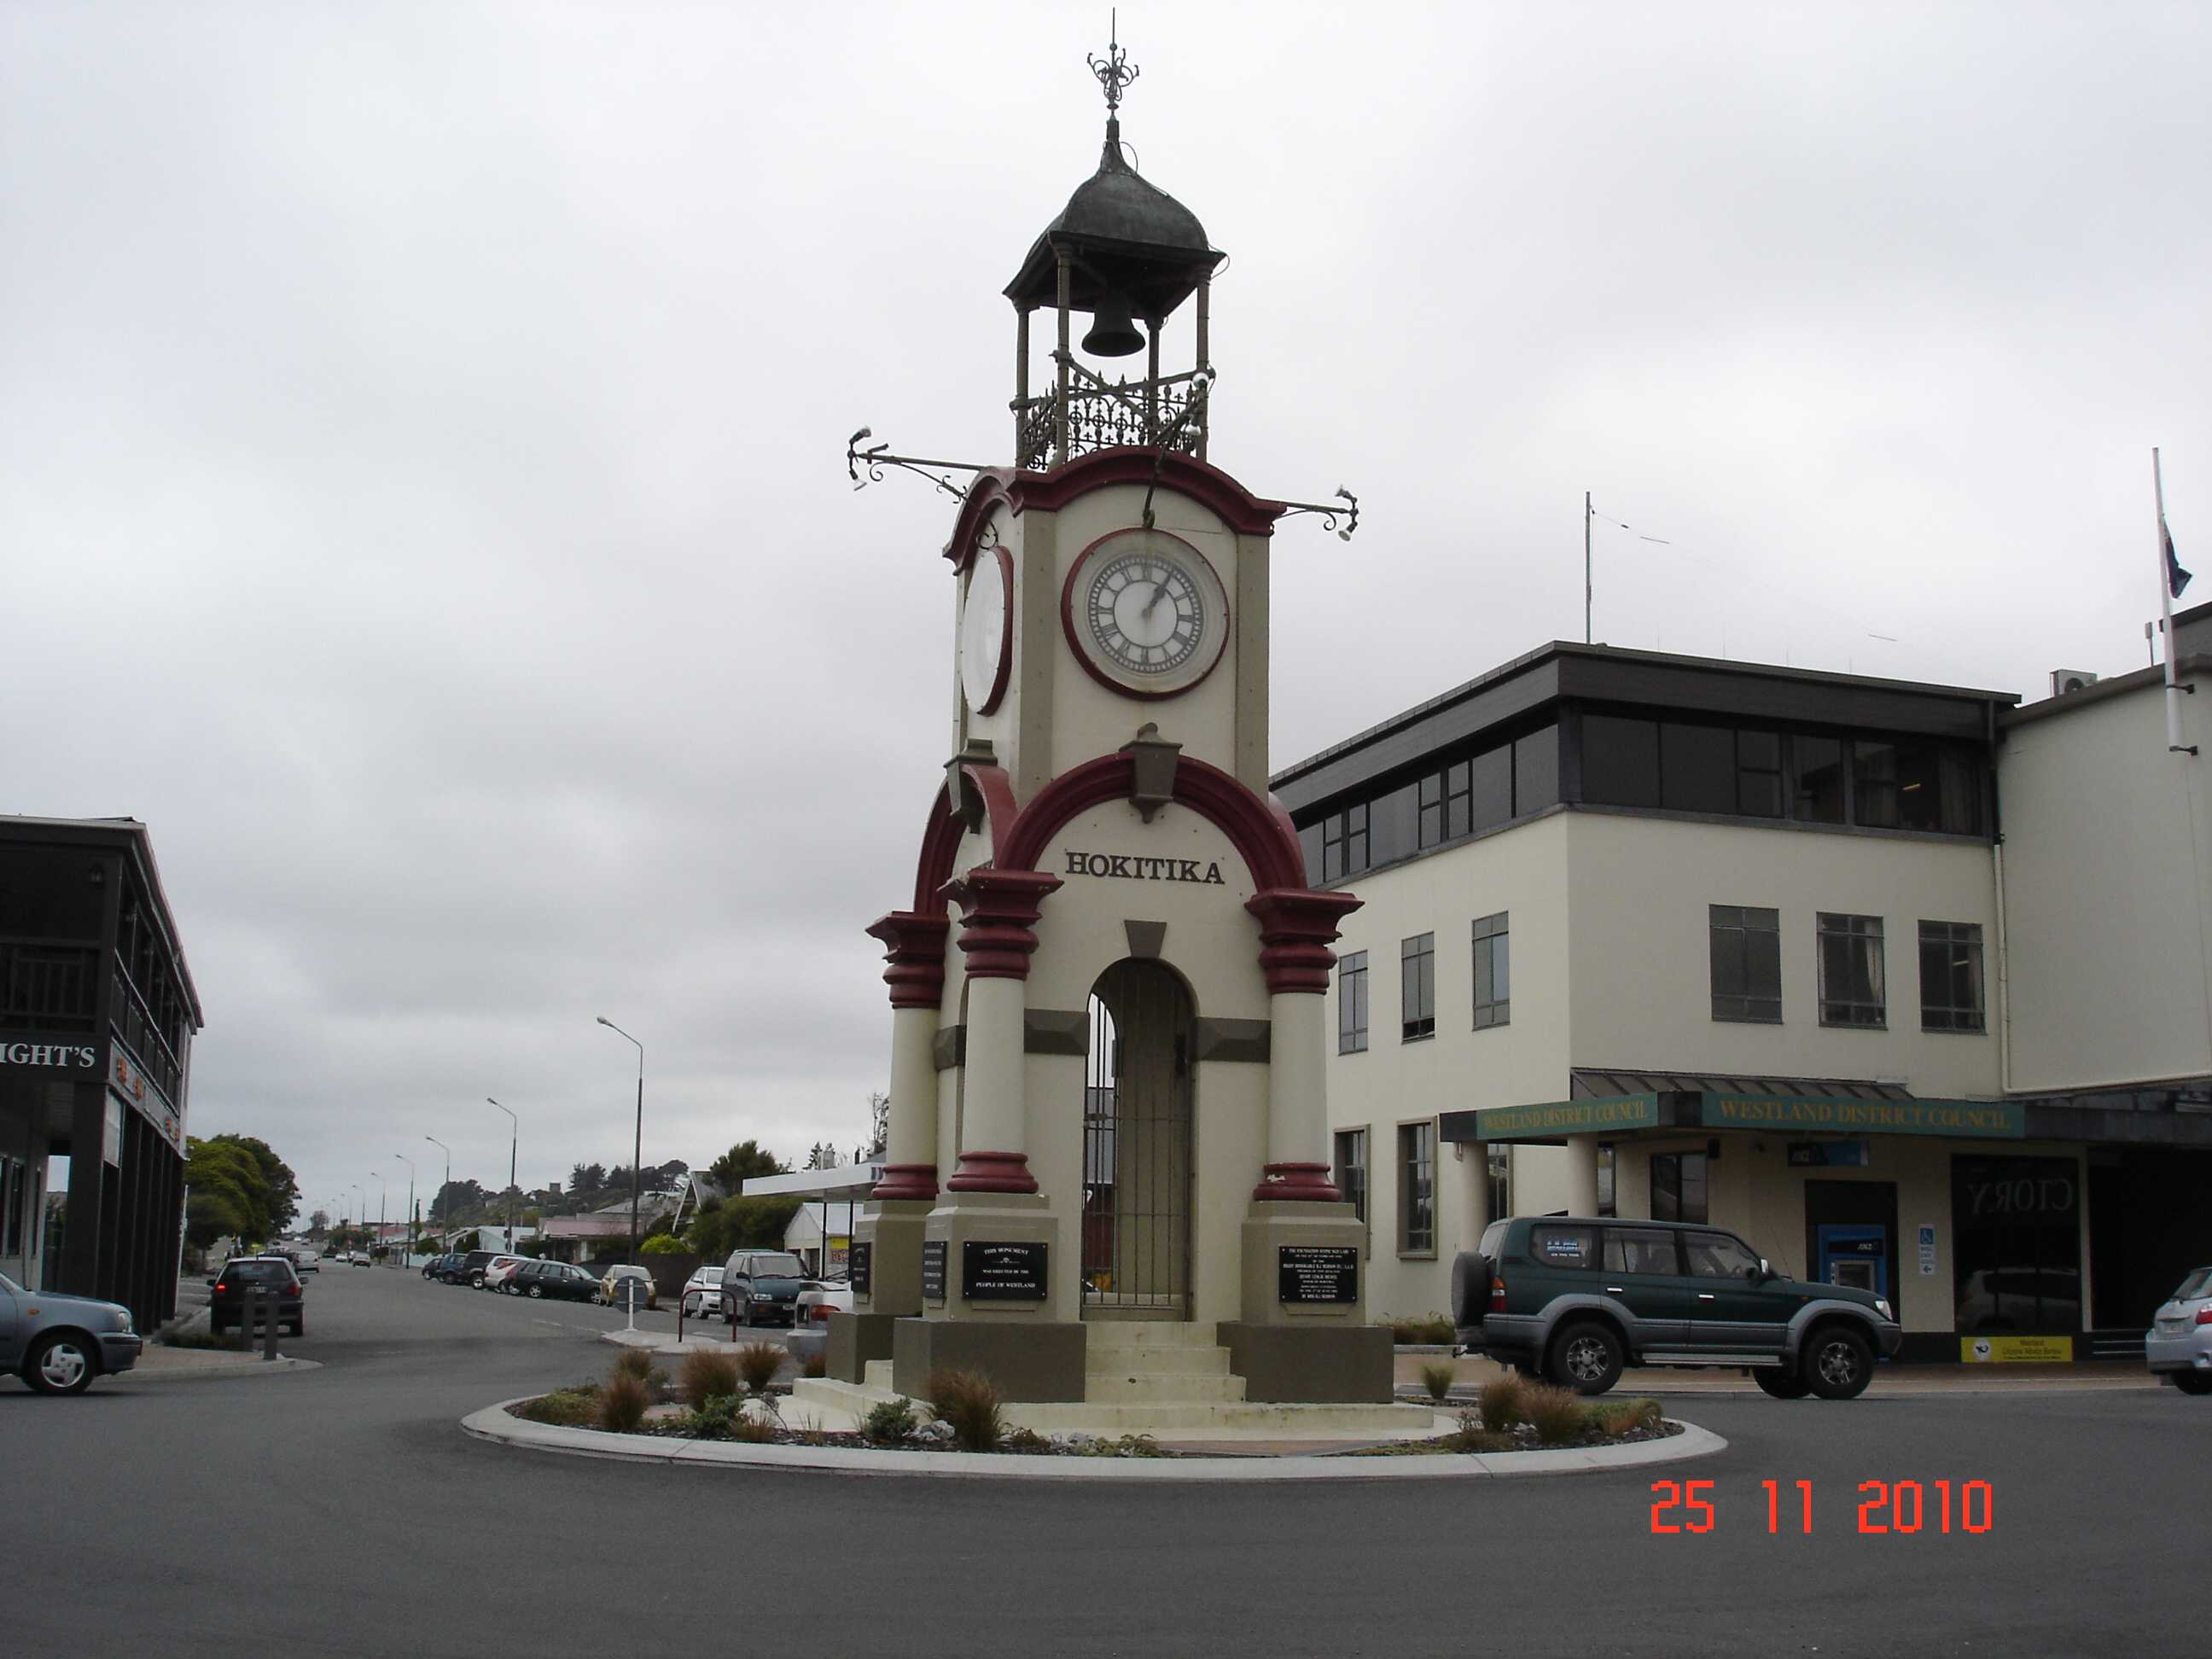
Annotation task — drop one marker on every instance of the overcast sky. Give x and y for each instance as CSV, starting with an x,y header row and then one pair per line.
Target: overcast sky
x,y
423,499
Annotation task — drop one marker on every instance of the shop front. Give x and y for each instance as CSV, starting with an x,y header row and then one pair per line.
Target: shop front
x,y
1978,1234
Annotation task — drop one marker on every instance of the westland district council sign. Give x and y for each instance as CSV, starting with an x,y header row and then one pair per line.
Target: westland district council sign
x,y
1840,1114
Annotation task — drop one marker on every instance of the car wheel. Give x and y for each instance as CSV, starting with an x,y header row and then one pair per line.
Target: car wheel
x,y
537,1292
2192,1382
1781,1381
1839,1363
746,1315
1586,1356
476,1281
61,1364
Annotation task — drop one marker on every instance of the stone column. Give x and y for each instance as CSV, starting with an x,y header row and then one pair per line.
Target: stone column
x,y
999,937
1296,927
888,1234
1582,1175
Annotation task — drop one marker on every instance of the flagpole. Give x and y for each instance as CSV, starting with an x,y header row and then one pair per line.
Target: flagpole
x,y
2174,743
1588,638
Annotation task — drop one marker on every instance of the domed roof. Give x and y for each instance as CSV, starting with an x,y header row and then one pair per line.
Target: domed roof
x,y
1128,233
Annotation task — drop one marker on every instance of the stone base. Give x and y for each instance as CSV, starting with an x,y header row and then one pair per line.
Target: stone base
x,y
1268,1228
892,1230
1028,1360
1310,1365
993,1219
855,1340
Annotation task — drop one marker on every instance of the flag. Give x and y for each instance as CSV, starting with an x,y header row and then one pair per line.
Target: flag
x,y
2176,577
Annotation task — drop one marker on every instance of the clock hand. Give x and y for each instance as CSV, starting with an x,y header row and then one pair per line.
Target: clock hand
x,y
1158,588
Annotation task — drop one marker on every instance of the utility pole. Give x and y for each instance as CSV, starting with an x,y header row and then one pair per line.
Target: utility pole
x,y
514,1139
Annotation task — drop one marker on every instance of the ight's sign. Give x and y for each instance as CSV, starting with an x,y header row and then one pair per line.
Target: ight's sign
x,y
49,1054
1131,868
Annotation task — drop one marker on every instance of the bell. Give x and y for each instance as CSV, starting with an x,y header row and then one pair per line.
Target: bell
x,y
1112,334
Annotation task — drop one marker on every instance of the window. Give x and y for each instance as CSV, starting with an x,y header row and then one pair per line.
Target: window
x,y
1850,971
1759,774
1719,1255
1499,1160
1640,1250
1816,779
1874,784
1489,788
1351,1169
1432,809
1494,972
1351,1004
1621,760
1678,1187
1417,1189
1536,771
1747,962
2016,1243
1564,1247
1344,843
1608,1196
1950,977
1697,767
1416,987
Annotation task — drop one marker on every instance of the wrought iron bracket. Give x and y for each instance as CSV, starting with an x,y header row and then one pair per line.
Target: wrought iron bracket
x,y
872,461
1330,513
1165,443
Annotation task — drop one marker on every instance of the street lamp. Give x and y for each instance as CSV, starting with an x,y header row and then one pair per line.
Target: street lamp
x,y
448,1151
514,1139
637,1146
410,1163
382,1193
361,1211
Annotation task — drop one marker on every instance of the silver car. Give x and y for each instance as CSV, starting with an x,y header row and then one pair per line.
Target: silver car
x,y
2180,1346
58,1344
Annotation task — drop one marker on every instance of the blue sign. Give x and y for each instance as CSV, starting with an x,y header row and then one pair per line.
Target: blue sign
x,y
1831,1154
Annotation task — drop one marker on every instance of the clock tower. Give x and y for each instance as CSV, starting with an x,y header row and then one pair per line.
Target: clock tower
x,y
1108,986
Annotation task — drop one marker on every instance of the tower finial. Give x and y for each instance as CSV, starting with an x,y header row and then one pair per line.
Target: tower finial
x,y
1114,71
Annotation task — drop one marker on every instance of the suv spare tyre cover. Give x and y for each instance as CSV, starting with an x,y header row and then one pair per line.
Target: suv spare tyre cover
x,y
1470,1289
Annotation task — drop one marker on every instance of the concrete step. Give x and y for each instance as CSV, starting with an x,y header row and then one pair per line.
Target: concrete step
x,y
1147,1334
1181,1362
1154,1387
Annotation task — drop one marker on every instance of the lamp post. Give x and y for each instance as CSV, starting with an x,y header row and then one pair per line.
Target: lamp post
x,y
448,1151
408,1259
360,1214
383,1192
514,1139
637,1146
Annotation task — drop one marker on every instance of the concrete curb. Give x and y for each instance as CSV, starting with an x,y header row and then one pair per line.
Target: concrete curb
x,y
242,1368
493,1424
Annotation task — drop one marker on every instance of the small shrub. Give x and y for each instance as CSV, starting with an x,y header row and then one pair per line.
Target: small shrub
x,y
969,1404
714,1416
1621,1417
1129,1445
706,1375
663,1244
757,1364
1429,1329
1557,1415
1438,1377
623,1403
756,1430
815,1365
1472,1437
1502,1401
1027,1440
889,1421
567,1408
634,1362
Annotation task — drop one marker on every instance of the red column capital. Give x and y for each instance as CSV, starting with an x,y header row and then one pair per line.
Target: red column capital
x,y
1297,926
1001,907
914,946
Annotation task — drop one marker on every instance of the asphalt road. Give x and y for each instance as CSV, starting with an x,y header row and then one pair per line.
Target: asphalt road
x,y
341,1511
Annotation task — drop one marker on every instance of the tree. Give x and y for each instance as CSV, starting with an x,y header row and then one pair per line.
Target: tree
x,y
879,1127
229,1192
741,1223
741,1163
318,1223
455,1199
280,1188
586,1179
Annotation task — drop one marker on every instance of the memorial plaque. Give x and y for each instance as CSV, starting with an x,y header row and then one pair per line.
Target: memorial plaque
x,y
858,1266
932,1270
1317,1274
1001,1272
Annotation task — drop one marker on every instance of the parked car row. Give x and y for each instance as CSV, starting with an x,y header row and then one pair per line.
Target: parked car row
x,y
522,1275
752,1288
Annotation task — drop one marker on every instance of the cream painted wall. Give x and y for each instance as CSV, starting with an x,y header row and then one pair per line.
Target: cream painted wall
x,y
1641,973
2108,844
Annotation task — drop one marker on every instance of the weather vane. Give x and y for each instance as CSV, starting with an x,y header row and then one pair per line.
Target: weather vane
x,y
1114,71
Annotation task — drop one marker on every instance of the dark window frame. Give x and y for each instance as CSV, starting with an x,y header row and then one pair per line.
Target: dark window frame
x,y
1416,1187
1681,1167
1849,934
1416,987
1750,948
1352,1003
1352,1178
1492,946
1947,940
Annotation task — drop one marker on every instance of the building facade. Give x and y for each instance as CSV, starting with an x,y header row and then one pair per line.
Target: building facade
x,y
97,1016
1663,937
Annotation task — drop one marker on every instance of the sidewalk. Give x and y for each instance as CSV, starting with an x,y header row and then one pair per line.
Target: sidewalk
x,y
1888,1379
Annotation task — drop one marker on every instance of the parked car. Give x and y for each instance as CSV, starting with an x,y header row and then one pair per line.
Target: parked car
x,y
58,1344
817,1302
2179,1345
611,1291
1576,1298
554,1278
263,1275
361,1259
762,1287
437,1267
500,1270
702,1294
305,1261
469,1270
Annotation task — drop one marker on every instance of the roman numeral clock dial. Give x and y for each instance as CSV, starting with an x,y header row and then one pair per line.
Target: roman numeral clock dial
x,y
1145,613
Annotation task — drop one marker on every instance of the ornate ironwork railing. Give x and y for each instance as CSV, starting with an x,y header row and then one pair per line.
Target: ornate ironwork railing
x,y
48,987
1109,415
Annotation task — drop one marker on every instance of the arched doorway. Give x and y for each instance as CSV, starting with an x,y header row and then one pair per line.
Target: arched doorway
x,y
1137,1144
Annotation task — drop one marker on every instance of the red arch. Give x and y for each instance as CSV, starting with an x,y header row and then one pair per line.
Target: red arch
x,y
1209,486
940,838
1256,827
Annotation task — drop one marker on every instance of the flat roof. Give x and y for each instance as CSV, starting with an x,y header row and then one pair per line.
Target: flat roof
x,y
127,834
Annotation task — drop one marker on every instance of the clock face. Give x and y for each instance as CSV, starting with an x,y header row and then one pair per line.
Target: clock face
x,y
985,627
1145,613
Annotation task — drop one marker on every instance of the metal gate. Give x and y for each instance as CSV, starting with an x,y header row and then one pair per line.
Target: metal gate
x,y
1137,1146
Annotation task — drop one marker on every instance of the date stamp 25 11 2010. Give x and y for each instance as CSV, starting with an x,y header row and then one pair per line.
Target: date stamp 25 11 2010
x,y
1884,1506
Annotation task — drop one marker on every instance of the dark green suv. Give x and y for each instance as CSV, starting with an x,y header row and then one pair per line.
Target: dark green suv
x,y
1575,1299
